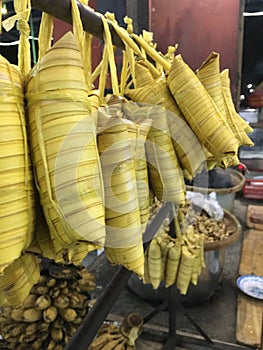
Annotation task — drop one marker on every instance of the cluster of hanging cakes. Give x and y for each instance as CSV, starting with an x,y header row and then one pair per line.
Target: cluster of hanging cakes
x,y
78,167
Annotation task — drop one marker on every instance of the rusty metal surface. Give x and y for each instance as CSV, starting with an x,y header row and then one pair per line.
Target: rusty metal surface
x,y
200,27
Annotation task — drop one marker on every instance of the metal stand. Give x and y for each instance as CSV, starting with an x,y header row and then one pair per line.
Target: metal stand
x,y
173,304
95,317
171,341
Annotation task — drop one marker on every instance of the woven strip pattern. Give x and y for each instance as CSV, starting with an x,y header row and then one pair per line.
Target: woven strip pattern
x,y
17,215
122,215
199,110
63,138
18,279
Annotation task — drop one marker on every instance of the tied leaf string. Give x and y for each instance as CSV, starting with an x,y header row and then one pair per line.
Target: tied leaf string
x,y
87,51
22,9
110,53
45,35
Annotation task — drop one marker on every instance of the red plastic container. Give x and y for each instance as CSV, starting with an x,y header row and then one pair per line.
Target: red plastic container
x,y
253,188
255,100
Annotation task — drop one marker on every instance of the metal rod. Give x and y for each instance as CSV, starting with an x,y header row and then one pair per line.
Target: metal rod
x,y
172,312
197,327
155,312
171,340
172,230
157,221
95,317
91,20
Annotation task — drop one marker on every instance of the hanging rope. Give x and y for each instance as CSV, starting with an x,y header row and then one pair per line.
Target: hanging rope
x,y
22,9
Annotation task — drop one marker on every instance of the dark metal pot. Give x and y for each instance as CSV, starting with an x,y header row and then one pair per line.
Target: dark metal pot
x,y
208,282
209,279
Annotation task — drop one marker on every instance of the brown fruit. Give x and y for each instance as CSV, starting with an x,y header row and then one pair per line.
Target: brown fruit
x,y
68,314
50,314
43,302
32,315
61,302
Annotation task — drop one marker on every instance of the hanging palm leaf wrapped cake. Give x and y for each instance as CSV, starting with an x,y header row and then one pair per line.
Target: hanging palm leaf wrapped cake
x,y
63,139
123,226
238,125
209,75
217,85
17,214
200,110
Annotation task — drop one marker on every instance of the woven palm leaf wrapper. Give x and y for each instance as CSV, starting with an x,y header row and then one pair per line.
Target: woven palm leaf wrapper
x,y
237,124
123,244
143,75
63,140
18,279
138,133
209,75
151,88
17,214
189,151
218,87
43,245
165,174
200,111
158,92
155,92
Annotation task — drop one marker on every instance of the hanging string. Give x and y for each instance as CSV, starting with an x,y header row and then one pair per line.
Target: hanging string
x,y
77,26
87,52
45,35
111,58
83,40
22,10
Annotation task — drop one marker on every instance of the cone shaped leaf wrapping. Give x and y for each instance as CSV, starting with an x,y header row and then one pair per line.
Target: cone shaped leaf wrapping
x,y
122,215
200,110
63,140
17,214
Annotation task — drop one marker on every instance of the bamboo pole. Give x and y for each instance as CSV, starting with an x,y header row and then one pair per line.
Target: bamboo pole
x,y
92,23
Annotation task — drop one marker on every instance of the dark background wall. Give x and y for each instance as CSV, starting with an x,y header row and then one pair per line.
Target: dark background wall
x,y
197,26
200,27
